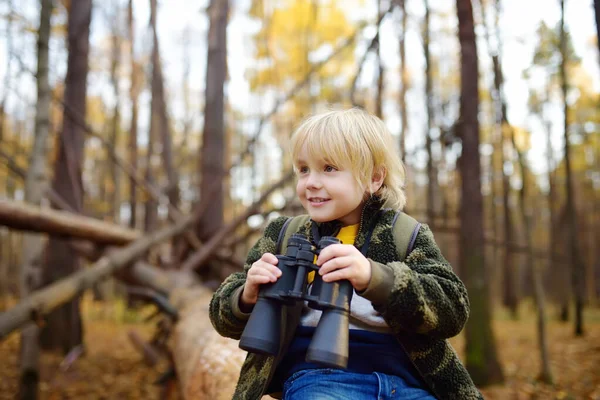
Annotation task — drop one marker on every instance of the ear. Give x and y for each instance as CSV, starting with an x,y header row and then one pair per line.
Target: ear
x,y
377,179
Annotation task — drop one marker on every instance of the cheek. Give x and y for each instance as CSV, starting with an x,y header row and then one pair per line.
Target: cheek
x,y
300,188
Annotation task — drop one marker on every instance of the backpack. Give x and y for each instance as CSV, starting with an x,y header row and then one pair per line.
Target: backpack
x,y
404,227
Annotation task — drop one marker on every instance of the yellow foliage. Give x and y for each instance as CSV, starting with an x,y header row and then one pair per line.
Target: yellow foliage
x,y
289,39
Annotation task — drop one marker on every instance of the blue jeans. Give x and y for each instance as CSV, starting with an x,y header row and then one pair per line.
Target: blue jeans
x,y
335,384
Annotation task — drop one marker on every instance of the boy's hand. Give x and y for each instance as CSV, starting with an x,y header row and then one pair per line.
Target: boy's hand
x,y
261,272
344,261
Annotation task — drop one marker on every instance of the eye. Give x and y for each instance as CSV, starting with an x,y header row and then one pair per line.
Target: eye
x,y
303,169
330,168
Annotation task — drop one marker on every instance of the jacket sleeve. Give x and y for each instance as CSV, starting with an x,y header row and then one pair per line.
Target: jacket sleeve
x,y
420,295
224,312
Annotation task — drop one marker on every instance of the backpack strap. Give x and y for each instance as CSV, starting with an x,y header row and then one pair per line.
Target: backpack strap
x,y
290,226
405,230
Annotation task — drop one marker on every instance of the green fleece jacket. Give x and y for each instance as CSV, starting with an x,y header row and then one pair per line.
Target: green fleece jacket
x,y
421,299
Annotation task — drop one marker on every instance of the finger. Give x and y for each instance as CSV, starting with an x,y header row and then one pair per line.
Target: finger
x,y
262,279
335,264
270,268
338,274
269,258
331,251
265,269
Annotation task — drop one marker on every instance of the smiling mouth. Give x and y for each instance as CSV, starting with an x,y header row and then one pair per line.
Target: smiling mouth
x,y
317,200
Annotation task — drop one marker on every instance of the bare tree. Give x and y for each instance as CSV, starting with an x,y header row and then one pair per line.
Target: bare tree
x,y
481,359
577,269
8,73
212,168
538,288
159,108
597,13
35,185
151,205
115,62
64,328
133,127
403,82
431,173
380,71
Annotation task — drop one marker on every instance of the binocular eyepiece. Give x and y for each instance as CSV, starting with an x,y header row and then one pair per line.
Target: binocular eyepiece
x,y
329,345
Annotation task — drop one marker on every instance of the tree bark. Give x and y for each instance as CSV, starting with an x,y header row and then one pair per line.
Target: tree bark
x,y
159,108
481,359
208,365
380,70
403,83
431,173
114,193
577,269
538,287
597,14
151,204
212,161
35,185
64,328
133,127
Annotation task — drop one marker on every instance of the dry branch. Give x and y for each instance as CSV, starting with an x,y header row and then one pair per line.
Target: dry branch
x,y
43,301
23,216
211,246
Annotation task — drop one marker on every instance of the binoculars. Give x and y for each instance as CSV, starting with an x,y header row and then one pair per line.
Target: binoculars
x,y
329,344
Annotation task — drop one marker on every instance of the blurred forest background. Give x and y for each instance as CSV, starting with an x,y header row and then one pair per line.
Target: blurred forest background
x,y
143,149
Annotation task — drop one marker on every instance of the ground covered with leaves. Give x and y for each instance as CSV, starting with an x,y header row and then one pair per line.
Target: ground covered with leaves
x,y
111,368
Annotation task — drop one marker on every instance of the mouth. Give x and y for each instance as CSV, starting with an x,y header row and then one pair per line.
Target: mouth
x,y
316,201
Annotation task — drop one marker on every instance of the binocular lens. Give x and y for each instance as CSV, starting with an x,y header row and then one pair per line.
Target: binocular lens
x,y
263,329
329,344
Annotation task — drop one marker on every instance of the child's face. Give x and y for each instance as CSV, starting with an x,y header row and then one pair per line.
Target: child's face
x,y
328,193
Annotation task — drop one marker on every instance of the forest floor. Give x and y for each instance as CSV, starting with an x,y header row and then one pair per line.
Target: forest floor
x,y
111,368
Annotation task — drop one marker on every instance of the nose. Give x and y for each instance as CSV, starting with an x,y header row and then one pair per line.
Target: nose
x,y
313,181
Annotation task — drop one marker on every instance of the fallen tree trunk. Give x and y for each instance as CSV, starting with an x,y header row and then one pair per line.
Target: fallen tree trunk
x,y
40,303
23,216
208,365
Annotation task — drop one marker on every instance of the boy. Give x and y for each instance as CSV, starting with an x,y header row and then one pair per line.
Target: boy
x,y
403,310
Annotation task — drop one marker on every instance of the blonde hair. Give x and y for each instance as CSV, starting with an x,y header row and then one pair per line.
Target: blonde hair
x,y
356,140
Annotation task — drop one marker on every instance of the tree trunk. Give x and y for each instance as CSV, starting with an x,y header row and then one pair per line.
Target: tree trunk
x,y
510,285
160,109
431,173
208,365
538,287
114,198
213,140
35,184
64,328
24,216
151,205
379,94
403,83
597,13
133,95
481,360
8,73
577,270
